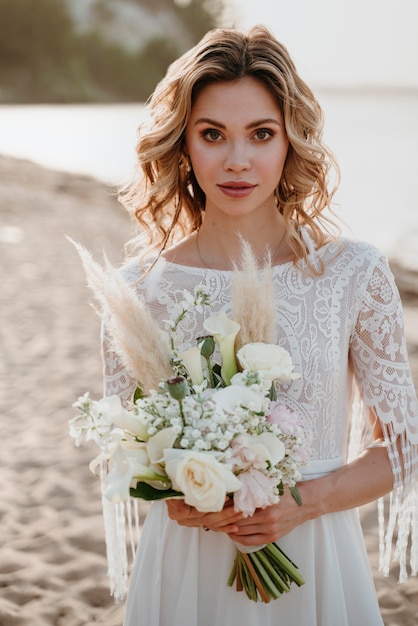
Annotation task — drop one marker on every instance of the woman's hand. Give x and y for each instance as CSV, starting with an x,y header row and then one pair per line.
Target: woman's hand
x,y
363,480
264,526
269,524
224,521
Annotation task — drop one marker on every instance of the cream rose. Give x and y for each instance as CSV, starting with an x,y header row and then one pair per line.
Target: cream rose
x,y
271,361
202,479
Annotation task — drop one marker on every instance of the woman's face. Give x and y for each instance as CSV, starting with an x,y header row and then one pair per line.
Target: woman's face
x,y
237,146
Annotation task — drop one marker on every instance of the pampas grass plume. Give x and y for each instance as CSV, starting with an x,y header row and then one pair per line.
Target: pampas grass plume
x,y
252,293
135,337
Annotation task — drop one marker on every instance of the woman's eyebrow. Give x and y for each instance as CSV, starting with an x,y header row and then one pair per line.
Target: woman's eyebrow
x,y
261,122
207,120
255,124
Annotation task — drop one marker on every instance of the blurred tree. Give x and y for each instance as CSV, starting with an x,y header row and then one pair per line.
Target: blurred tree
x,y
200,15
32,43
45,58
29,33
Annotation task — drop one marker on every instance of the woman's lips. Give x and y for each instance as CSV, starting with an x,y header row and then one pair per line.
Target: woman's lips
x,y
235,189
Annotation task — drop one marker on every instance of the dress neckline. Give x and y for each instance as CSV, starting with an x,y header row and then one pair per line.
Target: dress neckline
x,y
210,269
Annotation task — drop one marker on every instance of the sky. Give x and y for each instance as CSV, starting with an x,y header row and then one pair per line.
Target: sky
x,y
361,43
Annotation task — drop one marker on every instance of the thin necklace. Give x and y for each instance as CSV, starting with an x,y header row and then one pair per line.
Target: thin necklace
x,y
273,256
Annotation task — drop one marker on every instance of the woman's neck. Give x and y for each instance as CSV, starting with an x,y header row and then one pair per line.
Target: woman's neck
x,y
221,247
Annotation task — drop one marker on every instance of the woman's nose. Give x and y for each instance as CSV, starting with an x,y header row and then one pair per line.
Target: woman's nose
x,y
237,158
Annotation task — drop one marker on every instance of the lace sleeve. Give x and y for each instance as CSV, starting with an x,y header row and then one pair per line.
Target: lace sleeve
x,y
380,364
116,379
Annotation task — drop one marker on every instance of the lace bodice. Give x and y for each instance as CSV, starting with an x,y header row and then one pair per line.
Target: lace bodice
x,y
342,328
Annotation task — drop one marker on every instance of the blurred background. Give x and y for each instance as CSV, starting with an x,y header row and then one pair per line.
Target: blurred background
x,y
74,75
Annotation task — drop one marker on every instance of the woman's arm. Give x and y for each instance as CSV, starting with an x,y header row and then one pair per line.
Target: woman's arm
x,y
364,480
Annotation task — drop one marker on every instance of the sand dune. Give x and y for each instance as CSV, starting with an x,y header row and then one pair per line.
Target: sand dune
x,y
52,556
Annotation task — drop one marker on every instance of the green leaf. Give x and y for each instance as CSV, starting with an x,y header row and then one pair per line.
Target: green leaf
x,y
146,492
138,393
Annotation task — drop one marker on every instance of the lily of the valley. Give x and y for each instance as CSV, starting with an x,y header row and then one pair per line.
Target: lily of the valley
x,y
224,331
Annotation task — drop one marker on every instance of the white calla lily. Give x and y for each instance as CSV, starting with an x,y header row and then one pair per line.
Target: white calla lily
x,y
133,423
142,470
157,444
97,461
147,474
110,406
192,360
136,450
118,481
224,331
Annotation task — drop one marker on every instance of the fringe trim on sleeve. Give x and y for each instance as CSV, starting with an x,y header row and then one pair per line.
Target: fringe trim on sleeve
x,y
402,517
122,530
398,512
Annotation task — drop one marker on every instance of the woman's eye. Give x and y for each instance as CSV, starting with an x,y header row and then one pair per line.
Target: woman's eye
x,y
211,134
263,133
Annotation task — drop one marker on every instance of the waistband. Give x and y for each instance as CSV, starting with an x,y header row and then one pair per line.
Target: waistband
x,y
321,467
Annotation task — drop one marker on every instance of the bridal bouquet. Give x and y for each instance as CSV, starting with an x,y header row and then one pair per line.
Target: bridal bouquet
x,y
210,428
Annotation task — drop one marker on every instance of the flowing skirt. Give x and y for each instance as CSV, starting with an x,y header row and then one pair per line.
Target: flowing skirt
x,y
180,577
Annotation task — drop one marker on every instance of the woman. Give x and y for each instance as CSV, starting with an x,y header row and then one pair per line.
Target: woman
x,y
233,151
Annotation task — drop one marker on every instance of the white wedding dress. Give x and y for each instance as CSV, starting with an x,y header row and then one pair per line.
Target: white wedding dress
x,y
343,329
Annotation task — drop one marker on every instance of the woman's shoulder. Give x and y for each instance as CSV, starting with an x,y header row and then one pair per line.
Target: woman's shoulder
x,y
131,270
348,251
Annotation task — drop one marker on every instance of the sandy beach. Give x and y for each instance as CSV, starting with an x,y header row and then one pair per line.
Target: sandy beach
x,y
52,553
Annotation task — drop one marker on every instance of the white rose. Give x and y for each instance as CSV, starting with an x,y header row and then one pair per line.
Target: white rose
x,y
234,396
202,479
268,448
271,361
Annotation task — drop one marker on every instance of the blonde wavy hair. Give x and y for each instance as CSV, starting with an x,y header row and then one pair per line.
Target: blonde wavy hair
x,y
165,197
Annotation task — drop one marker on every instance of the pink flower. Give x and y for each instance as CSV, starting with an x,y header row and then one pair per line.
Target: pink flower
x,y
288,421
257,492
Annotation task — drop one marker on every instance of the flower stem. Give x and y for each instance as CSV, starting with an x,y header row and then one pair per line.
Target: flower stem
x,y
255,577
210,373
272,572
288,566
